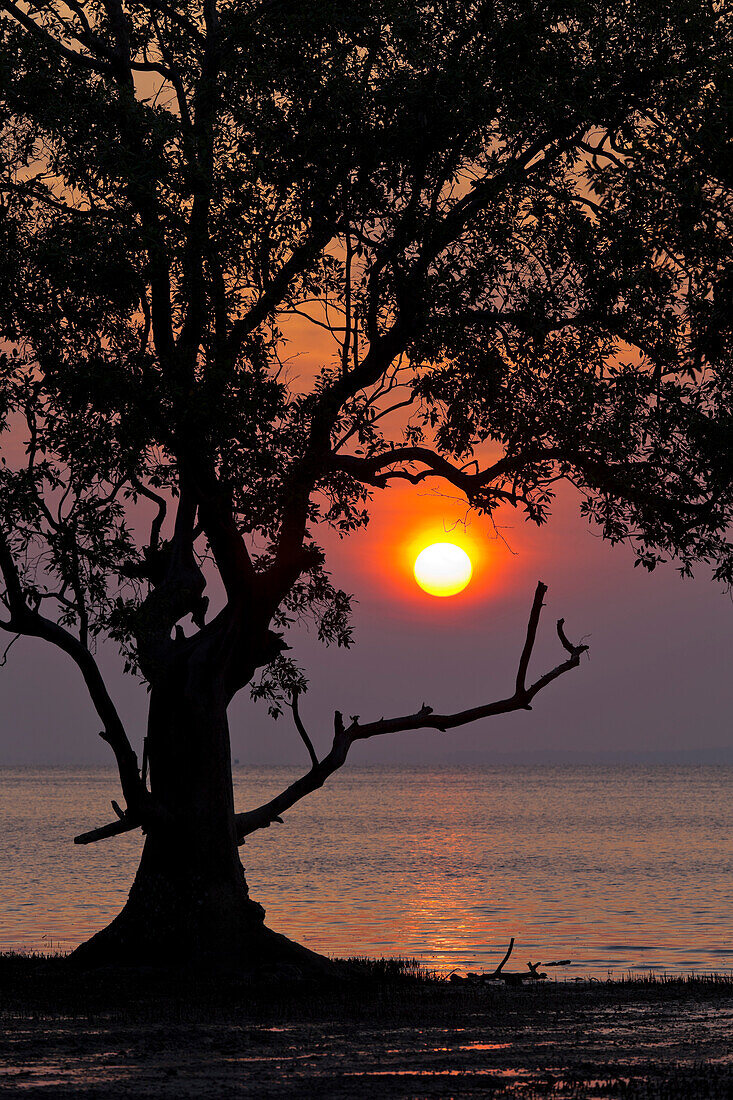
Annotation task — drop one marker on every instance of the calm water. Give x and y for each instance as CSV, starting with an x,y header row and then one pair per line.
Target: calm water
x,y
616,868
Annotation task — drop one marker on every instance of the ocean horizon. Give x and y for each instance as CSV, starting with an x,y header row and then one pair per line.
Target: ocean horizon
x,y
618,867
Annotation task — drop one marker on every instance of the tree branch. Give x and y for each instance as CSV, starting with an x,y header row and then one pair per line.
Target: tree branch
x,y
302,255
425,718
205,106
126,824
505,960
302,730
162,505
53,44
385,347
28,622
219,524
630,481
534,618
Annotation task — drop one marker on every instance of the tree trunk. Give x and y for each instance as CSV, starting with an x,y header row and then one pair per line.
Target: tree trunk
x,y
189,903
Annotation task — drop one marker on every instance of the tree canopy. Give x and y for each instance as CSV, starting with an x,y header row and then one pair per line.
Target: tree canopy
x,y
511,219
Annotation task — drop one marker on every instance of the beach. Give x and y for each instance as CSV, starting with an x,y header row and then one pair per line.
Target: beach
x,y
139,1034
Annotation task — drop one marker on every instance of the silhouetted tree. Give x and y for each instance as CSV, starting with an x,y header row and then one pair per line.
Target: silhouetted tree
x,y
511,220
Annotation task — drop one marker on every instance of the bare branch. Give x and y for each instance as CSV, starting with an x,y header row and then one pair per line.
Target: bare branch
x,y
534,619
128,820
505,960
425,718
126,824
8,647
302,730
295,312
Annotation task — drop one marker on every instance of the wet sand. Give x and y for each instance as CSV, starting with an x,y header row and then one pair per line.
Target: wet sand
x,y
103,1035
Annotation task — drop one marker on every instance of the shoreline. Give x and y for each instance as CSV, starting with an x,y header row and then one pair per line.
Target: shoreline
x,y
388,1034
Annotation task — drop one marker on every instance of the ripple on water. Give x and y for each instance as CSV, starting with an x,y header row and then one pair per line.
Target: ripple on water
x,y
616,868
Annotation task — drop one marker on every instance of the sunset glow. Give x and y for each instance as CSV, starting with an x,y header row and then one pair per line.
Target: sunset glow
x,y
443,569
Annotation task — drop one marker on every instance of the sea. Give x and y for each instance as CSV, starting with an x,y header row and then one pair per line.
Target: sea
x,y
625,869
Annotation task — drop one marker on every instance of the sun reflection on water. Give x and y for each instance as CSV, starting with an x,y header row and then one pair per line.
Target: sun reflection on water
x,y
613,868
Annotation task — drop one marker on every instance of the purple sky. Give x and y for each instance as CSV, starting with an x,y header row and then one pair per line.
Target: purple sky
x,y
658,679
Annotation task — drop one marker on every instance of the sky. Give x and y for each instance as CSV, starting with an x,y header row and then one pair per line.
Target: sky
x,y
655,686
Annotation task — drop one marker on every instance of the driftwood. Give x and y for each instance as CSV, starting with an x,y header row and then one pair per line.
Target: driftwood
x,y
516,977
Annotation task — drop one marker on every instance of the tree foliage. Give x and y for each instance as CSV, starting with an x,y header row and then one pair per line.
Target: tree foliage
x,y
511,219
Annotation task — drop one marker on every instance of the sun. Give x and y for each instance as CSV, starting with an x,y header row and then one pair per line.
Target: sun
x,y
443,569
